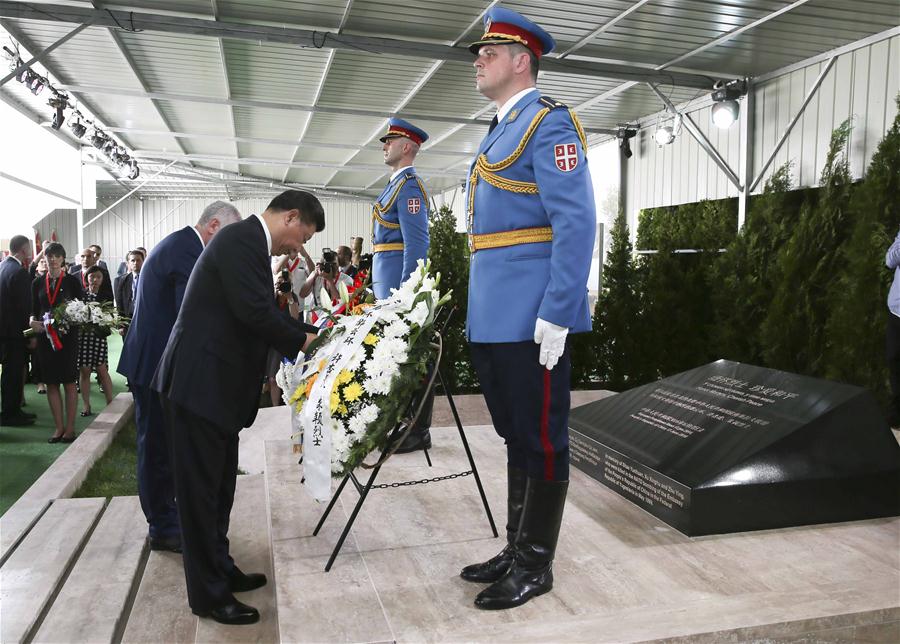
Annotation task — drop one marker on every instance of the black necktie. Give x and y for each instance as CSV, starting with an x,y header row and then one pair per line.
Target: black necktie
x,y
493,124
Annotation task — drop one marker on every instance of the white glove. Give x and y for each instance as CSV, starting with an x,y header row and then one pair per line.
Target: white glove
x,y
552,339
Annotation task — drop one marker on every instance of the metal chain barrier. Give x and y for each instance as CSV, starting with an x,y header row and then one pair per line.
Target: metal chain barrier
x,y
384,486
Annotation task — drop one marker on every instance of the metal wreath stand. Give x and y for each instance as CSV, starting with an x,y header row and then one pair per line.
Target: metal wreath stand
x,y
394,439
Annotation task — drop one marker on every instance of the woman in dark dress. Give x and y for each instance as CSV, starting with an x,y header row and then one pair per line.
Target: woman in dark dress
x,y
57,367
93,349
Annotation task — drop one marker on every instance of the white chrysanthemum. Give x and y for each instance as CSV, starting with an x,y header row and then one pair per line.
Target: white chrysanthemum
x,y
356,360
357,427
387,315
379,384
396,329
418,315
369,413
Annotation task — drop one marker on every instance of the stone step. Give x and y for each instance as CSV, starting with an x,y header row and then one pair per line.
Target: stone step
x,y
160,610
314,605
33,572
251,550
66,473
91,605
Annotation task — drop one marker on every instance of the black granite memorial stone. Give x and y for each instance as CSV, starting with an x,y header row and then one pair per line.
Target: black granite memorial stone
x,y
729,447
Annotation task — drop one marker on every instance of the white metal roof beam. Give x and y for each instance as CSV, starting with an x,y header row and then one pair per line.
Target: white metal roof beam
x,y
224,175
14,31
155,154
319,88
141,20
712,43
415,90
215,12
137,74
605,26
249,139
43,54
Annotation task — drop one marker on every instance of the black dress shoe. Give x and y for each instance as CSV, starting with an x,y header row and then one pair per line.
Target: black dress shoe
x,y
19,420
28,415
233,614
167,544
239,582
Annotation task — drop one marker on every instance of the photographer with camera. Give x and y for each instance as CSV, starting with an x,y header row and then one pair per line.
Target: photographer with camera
x,y
327,275
289,304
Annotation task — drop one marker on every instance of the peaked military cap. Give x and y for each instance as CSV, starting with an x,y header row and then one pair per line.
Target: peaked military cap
x,y
505,27
399,127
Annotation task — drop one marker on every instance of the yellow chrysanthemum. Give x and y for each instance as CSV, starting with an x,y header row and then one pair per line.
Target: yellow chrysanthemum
x,y
344,377
342,409
359,309
352,391
335,401
371,340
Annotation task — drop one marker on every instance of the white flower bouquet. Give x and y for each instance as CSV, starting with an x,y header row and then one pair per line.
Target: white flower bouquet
x,y
359,377
97,318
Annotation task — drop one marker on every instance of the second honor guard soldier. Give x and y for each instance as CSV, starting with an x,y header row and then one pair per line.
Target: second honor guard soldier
x,y
531,223
400,235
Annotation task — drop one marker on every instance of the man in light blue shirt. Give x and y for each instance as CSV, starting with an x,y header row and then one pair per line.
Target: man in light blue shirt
x,y
892,260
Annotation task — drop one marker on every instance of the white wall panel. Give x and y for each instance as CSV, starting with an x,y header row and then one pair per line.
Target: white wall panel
x,y
863,84
125,227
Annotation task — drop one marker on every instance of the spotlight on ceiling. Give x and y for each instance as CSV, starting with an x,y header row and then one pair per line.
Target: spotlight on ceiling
x,y
36,84
98,139
664,135
78,128
725,109
133,169
725,113
624,133
58,102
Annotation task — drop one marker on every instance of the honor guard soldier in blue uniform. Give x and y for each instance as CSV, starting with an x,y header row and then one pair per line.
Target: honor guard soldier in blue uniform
x,y
400,236
531,224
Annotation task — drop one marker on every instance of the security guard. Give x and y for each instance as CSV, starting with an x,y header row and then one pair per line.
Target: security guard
x,y
531,225
400,235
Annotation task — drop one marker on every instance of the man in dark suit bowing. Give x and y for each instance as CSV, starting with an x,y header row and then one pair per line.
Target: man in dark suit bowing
x,y
15,307
164,278
209,378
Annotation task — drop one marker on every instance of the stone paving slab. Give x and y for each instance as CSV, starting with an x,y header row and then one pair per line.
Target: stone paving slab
x,y
32,574
66,473
90,606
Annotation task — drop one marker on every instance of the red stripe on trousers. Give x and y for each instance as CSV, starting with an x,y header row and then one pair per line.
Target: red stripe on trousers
x,y
545,429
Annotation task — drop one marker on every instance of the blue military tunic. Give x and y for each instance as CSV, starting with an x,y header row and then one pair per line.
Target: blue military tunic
x,y
399,231
531,223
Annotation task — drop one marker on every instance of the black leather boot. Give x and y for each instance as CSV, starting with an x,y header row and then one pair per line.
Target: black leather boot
x,y
531,573
419,437
493,569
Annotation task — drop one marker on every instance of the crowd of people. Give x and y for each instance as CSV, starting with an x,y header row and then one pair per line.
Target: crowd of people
x,y
32,286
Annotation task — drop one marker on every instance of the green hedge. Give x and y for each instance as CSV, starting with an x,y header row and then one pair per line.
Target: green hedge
x,y
801,288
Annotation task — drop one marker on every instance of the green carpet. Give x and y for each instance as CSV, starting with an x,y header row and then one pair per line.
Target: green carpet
x,y
24,451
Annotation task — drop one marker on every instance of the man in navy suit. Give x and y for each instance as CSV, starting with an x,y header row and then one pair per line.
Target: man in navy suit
x,y
15,307
209,379
161,287
126,286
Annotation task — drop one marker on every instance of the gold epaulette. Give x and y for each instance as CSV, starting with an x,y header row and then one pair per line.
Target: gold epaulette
x,y
510,238
552,103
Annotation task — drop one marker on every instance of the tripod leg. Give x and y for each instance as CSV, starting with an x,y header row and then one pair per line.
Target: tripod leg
x,y
362,498
334,498
428,458
462,436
